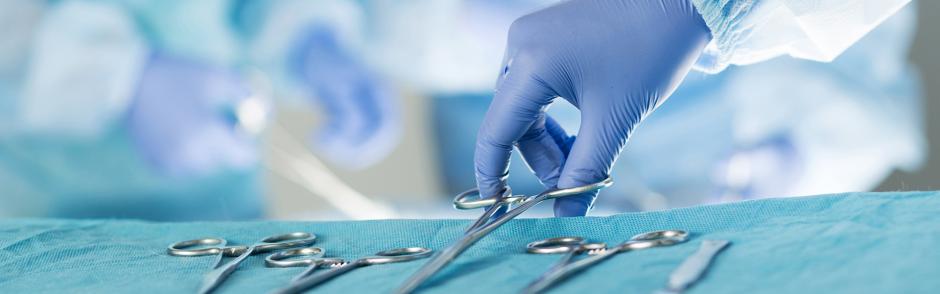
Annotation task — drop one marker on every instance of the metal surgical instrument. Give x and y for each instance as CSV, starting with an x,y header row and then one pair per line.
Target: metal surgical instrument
x,y
484,225
598,252
217,246
387,256
692,269
312,259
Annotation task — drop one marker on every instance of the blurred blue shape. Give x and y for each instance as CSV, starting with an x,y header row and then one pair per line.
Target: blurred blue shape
x,y
104,127
184,118
362,120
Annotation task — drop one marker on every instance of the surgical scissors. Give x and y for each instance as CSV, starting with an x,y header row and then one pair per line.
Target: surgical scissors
x,y
312,259
383,257
598,252
218,247
487,223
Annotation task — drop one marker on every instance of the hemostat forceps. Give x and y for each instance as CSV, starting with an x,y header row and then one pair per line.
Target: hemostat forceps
x,y
219,248
598,252
484,225
388,256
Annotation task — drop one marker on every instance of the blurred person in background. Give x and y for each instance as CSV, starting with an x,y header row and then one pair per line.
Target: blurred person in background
x,y
153,109
102,119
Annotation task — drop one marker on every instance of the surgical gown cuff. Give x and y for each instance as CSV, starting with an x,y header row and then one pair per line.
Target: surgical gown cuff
x,y
727,22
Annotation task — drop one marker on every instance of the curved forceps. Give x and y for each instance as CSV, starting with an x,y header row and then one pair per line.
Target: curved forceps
x,y
387,256
217,246
484,225
567,267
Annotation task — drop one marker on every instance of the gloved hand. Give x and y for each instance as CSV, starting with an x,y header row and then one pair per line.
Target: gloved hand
x,y
185,119
615,60
362,124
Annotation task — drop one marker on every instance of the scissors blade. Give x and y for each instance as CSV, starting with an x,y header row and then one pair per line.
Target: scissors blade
x,y
215,277
448,255
483,219
308,282
557,274
567,258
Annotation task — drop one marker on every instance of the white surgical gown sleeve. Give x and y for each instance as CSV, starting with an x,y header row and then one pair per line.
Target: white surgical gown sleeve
x,y
751,31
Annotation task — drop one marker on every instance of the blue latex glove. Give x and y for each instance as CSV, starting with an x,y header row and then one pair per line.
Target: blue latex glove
x,y
184,119
615,60
362,124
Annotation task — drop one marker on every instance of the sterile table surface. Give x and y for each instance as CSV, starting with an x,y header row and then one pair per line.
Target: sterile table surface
x,y
846,243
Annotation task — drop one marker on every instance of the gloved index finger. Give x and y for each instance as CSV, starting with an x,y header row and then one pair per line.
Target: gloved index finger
x,y
519,101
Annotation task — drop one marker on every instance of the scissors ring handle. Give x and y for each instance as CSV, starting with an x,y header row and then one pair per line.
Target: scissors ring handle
x,y
558,193
661,235
209,246
312,255
290,240
656,239
464,200
562,245
554,245
398,255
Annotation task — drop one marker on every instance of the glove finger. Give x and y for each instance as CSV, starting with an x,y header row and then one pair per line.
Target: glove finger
x,y
519,102
600,139
544,148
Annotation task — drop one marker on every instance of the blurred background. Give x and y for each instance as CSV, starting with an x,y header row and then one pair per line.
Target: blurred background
x,y
229,110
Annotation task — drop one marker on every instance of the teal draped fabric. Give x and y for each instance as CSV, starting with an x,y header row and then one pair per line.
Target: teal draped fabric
x,y
847,243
